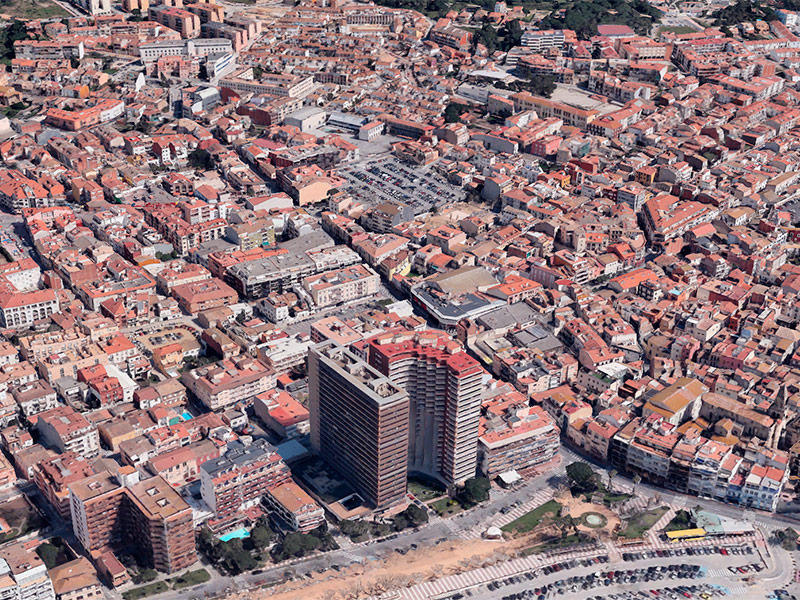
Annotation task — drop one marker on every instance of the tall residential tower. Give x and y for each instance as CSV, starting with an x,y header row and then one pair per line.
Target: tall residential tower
x,y
444,388
359,422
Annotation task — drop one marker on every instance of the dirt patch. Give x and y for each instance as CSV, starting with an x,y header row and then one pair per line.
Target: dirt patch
x,y
393,571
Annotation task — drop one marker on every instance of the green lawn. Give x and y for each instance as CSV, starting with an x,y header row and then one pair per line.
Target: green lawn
x,y
682,520
446,507
424,490
679,29
145,590
640,523
530,520
191,578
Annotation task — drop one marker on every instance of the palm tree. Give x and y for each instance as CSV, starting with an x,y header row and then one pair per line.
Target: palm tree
x,y
636,481
611,474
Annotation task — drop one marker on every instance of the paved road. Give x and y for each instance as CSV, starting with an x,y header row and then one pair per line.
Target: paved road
x,y
467,524
717,566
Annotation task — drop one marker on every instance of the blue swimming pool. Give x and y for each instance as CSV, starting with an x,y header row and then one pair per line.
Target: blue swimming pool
x,y
240,533
186,415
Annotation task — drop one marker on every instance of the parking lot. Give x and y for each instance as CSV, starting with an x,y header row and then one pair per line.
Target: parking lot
x,y
388,179
652,574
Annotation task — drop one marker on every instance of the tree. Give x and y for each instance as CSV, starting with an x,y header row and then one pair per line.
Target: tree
x,y
636,481
476,490
415,515
297,544
400,522
261,536
787,538
49,554
353,528
236,558
487,35
453,111
14,32
201,159
582,477
543,86
512,34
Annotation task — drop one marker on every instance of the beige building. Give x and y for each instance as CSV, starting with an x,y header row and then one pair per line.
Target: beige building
x,y
295,507
677,403
75,580
342,285
68,431
229,382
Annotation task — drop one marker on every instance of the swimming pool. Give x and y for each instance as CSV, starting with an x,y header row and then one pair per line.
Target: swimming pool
x,y
240,533
186,415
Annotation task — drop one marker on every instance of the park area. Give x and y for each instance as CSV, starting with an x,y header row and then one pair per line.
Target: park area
x,y
642,522
587,509
549,510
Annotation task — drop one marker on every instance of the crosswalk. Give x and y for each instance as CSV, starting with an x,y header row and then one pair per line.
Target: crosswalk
x,y
635,505
741,590
662,522
439,587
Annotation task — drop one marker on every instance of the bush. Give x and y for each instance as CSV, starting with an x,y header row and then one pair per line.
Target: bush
x,y
191,578
144,576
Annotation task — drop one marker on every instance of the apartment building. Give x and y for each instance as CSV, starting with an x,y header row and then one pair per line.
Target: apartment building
x,y
539,40
53,476
518,438
443,384
114,510
68,431
22,309
342,285
239,478
273,84
359,423
182,21
198,47
204,295
577,117
75,580
35,397
24,574
229,382
282,413
295,507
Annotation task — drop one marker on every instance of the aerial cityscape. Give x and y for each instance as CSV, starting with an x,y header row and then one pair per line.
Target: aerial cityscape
x,y
399,299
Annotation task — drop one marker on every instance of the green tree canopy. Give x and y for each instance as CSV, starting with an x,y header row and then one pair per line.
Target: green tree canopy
x,y
476,490
582,477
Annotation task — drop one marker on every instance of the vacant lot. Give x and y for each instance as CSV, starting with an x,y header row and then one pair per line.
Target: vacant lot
x,y
27,10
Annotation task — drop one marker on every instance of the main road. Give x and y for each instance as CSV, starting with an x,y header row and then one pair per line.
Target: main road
x,y
478,518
